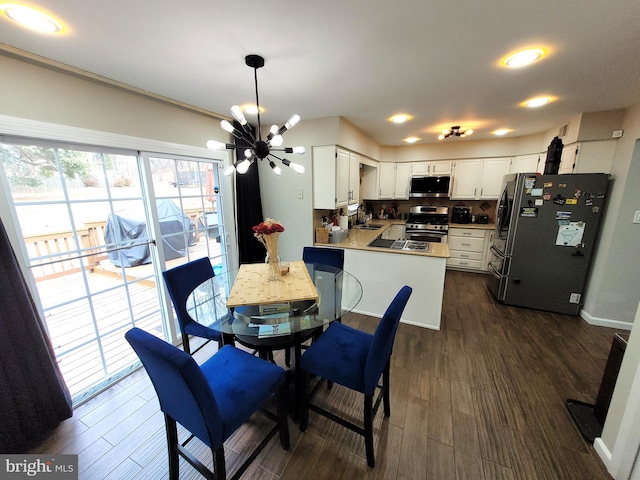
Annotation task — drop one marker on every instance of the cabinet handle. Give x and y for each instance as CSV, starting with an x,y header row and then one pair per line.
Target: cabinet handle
x,y
467,233
466,244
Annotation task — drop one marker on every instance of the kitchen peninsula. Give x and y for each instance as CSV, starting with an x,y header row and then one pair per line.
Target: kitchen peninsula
x,y
383,271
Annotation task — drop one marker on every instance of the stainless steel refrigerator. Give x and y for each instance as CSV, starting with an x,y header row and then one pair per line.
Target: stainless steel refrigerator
x,y
546,231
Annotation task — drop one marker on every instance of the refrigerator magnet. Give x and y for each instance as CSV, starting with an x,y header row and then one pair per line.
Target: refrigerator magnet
x,y
536,192
548,184
588,202
546,196
572,201
563,215
559,200
577,193
529,212
539,202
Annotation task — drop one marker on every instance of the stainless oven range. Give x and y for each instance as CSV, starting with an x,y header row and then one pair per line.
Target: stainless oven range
x,y
427,224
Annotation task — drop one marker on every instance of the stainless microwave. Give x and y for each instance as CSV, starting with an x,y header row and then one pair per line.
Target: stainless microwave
x,y
439,186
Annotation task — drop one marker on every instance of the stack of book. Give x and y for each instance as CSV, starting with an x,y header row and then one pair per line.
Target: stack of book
x,y
274,308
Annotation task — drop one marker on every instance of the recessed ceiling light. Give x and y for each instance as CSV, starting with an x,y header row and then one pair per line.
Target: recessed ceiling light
x,y
251,109
400,118
538,102
31,18
523,57
411,139
501,131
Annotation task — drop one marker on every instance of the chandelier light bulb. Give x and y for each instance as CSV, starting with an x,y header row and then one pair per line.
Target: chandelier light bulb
x,y
293,121
226,126
243,166
274,129
297,167
277,140
299,150
229,170
215,145
236,111
248,153
276,169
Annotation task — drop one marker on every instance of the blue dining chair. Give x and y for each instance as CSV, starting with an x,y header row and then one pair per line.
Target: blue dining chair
x,y
324,256
356,360
212,400
180,282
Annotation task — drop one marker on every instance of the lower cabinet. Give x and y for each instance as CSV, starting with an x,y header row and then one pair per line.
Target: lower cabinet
x,y
468,247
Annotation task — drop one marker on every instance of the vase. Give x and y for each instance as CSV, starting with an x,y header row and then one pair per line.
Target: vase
x,y
273,257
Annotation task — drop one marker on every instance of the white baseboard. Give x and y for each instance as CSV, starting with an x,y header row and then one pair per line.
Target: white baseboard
x,y
605,322
603,452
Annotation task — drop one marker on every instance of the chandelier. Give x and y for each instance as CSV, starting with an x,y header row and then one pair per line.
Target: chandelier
x,y
454,132
259,148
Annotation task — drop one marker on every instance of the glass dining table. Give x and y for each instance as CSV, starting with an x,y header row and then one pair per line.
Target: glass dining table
x,y
269,315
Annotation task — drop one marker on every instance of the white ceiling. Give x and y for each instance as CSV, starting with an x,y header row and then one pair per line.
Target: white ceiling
x,y
361,60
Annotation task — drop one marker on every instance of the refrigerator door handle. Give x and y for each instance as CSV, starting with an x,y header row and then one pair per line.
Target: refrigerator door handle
x,y
497,252
493,270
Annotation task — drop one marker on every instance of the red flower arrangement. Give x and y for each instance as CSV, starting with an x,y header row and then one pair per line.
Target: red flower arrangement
x,y
267,227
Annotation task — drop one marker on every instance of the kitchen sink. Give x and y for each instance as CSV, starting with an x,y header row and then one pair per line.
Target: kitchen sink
x,y
369,227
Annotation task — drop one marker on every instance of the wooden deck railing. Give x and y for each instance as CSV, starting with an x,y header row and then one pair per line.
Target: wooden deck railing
x,y
55,254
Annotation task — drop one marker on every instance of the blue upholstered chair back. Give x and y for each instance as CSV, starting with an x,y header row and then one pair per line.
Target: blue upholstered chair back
x,y
325,256
181,281
383,338
181,387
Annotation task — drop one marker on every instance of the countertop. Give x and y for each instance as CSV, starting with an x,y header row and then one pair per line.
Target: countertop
x,y
474,226
359,239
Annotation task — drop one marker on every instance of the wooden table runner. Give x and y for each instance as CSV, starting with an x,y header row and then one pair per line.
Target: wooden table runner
x,y
252,286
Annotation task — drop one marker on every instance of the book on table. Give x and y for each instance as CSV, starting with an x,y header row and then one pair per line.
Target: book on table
x,y
274,329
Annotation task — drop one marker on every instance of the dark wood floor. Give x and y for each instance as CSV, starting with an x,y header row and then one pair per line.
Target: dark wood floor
x,y
482,399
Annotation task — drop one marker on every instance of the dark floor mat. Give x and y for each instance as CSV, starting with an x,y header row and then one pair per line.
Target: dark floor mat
x,y
583,417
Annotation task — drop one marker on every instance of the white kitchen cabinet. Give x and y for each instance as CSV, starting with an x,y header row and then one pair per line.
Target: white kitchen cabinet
x,y
331,177
393,180
493,172
467,247
401,187
431,168
386,180
369,182
395,232
587,157
479,179
527,164
354,179
466,177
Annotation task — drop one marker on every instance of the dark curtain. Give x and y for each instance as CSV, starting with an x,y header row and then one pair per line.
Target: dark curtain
x,y
249,210
33,397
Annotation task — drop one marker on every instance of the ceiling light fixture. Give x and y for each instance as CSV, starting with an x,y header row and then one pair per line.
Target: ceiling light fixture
x,y
537,102
524,57
411,139
400,118
501,131
454,132
258,148
31,18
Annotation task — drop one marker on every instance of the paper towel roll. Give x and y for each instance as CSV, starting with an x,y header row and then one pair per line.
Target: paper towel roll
x,y
343,222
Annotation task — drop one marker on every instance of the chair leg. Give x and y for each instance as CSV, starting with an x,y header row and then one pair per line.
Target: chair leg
x,y
303,395
368,429
172,445
385,386
185,343
283,419
219,467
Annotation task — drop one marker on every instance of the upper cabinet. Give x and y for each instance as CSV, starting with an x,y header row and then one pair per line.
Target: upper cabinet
x,y
393,180
432,168
587,157
479,179
527,164
336,181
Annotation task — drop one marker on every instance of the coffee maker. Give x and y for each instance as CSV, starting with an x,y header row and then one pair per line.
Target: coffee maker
x,y
461,214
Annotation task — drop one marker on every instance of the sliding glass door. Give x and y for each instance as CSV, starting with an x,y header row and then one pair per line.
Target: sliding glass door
x,y
98,226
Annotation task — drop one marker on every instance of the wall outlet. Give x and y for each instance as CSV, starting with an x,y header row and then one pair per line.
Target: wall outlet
x,y
636,217
617,133
574,298
300,194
